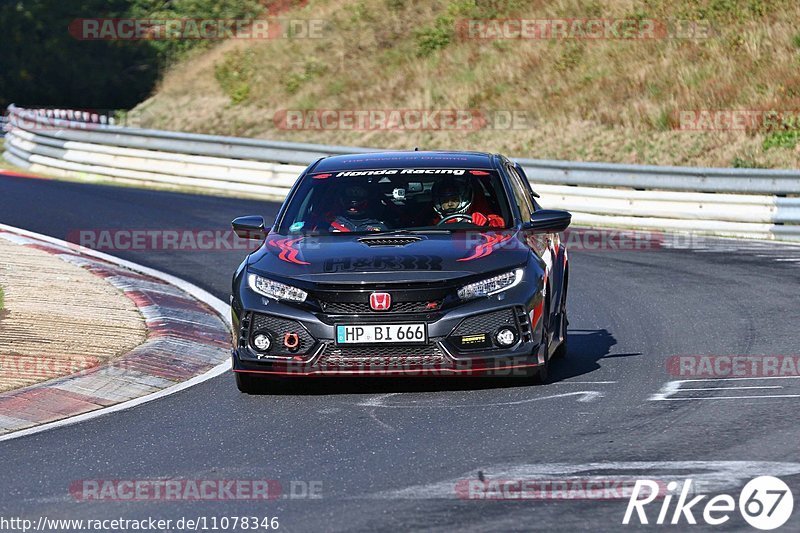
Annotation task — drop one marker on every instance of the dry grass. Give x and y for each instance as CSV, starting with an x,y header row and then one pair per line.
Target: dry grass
x,y
88,321
597,100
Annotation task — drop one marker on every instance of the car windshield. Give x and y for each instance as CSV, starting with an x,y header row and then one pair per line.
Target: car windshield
x,y
390,200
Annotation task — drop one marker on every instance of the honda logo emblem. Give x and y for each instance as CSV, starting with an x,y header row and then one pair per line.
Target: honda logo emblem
x,y
380,301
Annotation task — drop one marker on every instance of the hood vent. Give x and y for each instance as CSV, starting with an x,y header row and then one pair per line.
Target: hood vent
x,y
389,240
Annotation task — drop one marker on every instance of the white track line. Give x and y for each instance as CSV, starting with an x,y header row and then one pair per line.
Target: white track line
x,y
379,401
583,383
215,303
671,388
737,379
735,388
695,398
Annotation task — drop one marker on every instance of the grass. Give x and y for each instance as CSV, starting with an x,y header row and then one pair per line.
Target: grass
x,y
606,100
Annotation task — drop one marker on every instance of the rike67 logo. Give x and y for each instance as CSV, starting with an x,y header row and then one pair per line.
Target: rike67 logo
x,y
765,503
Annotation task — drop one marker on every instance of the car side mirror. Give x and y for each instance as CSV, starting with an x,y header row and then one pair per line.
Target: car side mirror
x,y
250,227
548,221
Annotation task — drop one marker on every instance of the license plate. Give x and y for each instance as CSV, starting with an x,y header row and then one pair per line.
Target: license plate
x,y
377,333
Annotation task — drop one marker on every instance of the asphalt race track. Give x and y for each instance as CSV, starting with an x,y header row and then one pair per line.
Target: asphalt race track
x,y
385,452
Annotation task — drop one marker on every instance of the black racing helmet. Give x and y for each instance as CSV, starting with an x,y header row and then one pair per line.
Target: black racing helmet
x,y
452,195
354,200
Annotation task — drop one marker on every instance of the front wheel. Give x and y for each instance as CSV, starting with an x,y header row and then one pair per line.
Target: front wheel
x,y
543,370
561,351
544,373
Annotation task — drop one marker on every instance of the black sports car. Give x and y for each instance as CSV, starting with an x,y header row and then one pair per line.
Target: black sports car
x,y
403,263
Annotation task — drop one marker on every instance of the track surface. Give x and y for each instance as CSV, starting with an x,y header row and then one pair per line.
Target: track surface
x,y
629,312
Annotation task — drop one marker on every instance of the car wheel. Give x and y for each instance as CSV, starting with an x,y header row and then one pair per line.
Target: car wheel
x,y
544,374
247,383
561,351
543,371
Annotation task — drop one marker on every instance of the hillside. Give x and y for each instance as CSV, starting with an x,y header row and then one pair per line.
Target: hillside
x,y
604,99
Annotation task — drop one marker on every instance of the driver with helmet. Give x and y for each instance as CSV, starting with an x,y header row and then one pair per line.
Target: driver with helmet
x,y
354,206
453,202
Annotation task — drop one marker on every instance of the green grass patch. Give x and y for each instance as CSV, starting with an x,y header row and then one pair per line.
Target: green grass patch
x,y
435,37
781,139
782,130
746,162
234,74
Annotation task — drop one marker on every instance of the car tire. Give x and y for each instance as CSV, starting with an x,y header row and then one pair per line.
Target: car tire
x,y
247,384
544,374
562,349
543,371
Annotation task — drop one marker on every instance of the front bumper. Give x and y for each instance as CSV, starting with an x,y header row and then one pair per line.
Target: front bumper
x,y
315,352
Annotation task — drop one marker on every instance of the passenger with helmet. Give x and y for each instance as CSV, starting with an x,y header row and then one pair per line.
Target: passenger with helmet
x,y
453,201
354,207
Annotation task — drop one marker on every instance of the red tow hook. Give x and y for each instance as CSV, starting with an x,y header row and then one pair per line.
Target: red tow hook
x,y
291,341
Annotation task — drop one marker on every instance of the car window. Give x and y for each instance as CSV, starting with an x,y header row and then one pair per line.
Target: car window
x,y
521,194
527,183
371,200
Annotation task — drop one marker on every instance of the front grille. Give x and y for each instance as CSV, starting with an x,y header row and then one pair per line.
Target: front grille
x,y
388,241
278,327
486,323
381,356
358,308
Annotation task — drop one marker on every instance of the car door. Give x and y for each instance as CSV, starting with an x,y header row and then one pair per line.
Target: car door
x,y
526,199
543,244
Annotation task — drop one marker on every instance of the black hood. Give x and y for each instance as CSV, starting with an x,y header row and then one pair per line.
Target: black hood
x,y
343,258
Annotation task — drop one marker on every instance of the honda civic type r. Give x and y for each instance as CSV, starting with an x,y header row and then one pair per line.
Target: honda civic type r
x,y
403,264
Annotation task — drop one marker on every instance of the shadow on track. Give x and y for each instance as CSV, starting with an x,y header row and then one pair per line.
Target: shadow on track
x,y
586,347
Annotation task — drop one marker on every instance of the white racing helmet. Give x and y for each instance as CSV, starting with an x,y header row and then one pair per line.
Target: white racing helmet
x,y
452,195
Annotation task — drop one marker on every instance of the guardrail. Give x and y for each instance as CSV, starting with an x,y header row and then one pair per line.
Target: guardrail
x,y
751,203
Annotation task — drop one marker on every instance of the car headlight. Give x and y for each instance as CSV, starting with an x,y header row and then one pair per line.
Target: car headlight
x,y
273,289
490,286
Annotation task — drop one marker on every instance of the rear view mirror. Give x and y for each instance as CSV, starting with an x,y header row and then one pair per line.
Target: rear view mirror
x,y
250,227
548,220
